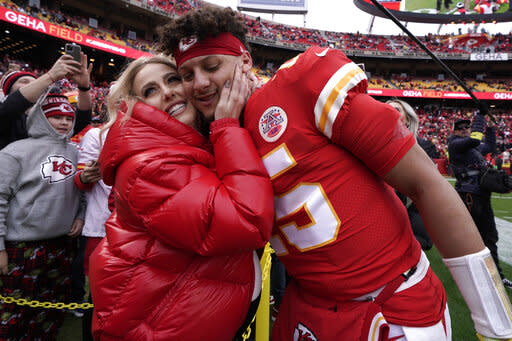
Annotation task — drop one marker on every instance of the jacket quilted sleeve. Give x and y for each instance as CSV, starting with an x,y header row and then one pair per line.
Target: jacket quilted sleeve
x,y
189,201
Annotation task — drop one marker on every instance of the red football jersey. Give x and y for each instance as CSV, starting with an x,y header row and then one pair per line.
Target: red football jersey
x,y
340,230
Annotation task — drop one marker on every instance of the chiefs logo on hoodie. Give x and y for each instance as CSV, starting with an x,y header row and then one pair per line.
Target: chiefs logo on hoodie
x,y
57,169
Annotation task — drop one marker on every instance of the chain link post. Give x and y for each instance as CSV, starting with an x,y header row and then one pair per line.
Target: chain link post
x,y
263,313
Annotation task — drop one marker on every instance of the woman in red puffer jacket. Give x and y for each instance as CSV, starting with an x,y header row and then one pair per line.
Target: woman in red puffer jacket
x,y
178,260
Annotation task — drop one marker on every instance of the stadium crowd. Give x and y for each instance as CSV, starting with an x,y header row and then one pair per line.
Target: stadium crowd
x,y
436,123
298,37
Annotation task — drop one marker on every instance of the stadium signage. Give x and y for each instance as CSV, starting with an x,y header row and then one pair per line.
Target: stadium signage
x,y
23,20
502,96
412,93
274,6
488,57
66,34
422,93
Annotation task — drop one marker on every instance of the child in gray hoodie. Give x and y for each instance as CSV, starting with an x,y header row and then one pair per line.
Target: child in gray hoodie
x,y
40,208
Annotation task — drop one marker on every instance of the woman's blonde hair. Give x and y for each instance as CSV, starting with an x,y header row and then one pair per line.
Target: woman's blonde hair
x,y
122,89
406,109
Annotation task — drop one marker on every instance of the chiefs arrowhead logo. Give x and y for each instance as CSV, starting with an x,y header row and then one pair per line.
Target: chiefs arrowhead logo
x,y
302,333
57,169
64,107
186,43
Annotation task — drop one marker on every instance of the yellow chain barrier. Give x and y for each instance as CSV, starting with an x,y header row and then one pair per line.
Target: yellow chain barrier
x,y
46,305
265,272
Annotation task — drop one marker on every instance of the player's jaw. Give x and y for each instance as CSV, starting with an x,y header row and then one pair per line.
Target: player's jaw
x,y
204,77
206,101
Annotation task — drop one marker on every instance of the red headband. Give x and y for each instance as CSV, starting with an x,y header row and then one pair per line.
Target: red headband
x,y
224,43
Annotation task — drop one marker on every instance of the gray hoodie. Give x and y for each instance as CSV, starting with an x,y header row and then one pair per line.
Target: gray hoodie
x,y
38,197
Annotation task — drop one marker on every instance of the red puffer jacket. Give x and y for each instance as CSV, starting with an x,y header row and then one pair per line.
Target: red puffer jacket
x,y
177,260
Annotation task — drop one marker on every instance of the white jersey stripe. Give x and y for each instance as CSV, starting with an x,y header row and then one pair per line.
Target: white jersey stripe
x,y
333,96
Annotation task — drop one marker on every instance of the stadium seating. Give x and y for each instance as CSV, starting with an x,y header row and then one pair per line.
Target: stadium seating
x,y
435,126
297,37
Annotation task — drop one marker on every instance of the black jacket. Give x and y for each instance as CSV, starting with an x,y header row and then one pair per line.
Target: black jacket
x,y
467,157
429,148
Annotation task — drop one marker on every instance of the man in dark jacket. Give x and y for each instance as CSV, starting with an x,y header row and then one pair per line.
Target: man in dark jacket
x,y
429,147
467,147
22,89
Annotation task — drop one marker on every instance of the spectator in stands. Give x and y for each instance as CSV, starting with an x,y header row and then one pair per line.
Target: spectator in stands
x,y
188,213
411,121
39,211
467,147
23,89
331,151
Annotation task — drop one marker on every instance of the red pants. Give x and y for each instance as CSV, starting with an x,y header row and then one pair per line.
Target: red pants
x,y
306,317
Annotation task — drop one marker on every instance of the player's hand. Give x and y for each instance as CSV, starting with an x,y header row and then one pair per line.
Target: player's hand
x,y
233,96
484,338
76,228
82,78
4,262
64,66
91,173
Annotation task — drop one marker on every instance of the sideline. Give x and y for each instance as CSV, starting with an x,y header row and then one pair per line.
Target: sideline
x,y
505,240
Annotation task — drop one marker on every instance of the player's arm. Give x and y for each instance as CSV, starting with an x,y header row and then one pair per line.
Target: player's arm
x,y
447,220
374,133
451,227
64,65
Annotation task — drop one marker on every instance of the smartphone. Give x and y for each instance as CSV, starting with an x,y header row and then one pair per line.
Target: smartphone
x,y
74,51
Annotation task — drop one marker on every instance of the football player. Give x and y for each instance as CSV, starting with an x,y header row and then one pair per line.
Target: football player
x,y
334,155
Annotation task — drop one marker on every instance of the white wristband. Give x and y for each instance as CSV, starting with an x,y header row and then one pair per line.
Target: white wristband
x,y
480,284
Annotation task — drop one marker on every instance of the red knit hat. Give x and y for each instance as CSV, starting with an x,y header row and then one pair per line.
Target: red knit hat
x,y
57,104
10,78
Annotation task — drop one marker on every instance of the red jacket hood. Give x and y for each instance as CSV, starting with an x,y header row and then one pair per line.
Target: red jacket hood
x,y
146,128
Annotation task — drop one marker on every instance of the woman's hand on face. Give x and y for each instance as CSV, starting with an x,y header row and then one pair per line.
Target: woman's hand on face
x,y
233,96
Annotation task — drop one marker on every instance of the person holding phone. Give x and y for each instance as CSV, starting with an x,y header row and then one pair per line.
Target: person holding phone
x,y
22,89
